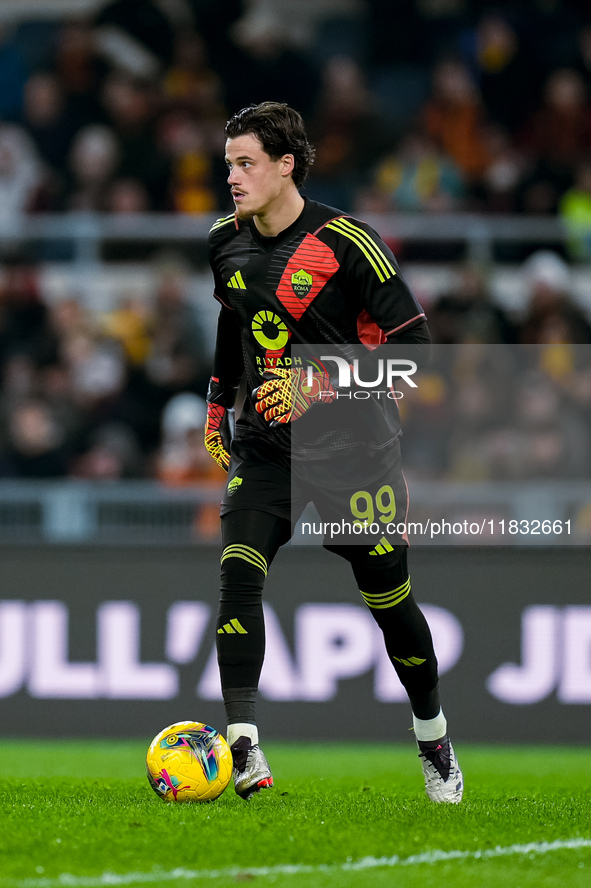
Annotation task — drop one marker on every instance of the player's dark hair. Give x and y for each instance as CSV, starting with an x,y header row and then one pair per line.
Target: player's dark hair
x,y
280,130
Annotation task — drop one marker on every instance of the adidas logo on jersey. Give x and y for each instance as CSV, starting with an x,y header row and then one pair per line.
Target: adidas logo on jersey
x,y
236,282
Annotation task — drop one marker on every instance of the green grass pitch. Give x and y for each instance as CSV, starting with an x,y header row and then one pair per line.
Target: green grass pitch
x,y
82,815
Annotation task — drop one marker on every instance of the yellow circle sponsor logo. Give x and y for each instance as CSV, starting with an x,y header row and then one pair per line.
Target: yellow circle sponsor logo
x,y
269,330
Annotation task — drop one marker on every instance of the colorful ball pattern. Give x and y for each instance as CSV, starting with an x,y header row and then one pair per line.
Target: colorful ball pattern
x,y
189,762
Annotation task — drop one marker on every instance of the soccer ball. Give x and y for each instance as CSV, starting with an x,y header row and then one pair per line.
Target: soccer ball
x,y
189,762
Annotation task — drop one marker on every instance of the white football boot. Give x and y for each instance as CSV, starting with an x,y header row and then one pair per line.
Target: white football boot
x,y
251,770
443,779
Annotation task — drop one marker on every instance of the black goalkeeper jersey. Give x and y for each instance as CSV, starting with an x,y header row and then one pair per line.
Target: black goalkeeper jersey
x,y
328,279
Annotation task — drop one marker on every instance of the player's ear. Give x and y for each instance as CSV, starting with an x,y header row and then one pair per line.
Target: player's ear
x,y
287,164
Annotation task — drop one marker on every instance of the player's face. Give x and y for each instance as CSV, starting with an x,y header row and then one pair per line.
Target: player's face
x,y
257,182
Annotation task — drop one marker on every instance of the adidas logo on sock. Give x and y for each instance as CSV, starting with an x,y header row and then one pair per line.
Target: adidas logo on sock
x,y
232,628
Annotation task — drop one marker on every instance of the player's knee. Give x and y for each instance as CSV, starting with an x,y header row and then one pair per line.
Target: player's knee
x,y
382,602
377,574
241,557
384,584
243,572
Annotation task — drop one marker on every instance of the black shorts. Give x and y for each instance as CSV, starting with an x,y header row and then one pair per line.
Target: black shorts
x,y
360,495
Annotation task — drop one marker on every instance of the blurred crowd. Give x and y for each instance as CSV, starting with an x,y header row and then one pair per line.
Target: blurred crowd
x,y
106,395
120,394
500,413
413,106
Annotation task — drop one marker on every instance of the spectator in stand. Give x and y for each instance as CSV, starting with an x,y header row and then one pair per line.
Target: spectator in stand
x,y
190,83
183,461
13,75
21,175
94,365
54,387
265,60
215,21
455,118
165,352
575,212
193,184
94,159
551,314
20,379
348,132
419,178
46,118
582,56
25,322
80,72
468,313
177,360
428,421
130,107
142,23
37,445
497,190
504,67
387,42
130,325
93,381
69,318
546,438
182,458
481,382
557,139
112,453
127,196
97,374
52,127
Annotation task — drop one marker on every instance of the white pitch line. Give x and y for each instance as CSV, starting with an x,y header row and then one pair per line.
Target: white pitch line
x,y
66,880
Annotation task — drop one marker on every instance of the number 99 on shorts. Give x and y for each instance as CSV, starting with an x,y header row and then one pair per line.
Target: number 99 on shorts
x,y
367,509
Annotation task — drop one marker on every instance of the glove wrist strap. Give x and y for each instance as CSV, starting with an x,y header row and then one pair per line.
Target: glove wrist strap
x,y
222,393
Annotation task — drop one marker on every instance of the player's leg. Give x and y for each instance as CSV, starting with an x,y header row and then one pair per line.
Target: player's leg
x,y
372,493
255,522
250,540
385,585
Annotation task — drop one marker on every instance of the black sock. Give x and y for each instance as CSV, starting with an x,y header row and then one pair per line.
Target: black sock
x,y
386,590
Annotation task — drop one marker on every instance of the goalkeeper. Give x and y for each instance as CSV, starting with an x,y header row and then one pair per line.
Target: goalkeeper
x,y
292,273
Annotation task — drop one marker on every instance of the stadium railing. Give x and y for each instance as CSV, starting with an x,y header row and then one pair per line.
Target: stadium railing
x,y
148,512
87,231
556,512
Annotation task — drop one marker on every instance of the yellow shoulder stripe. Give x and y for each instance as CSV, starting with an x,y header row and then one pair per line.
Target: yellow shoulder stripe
x,y
223,221
374,255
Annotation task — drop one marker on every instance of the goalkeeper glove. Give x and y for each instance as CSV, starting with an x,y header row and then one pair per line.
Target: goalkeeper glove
x,y
288,394
219,425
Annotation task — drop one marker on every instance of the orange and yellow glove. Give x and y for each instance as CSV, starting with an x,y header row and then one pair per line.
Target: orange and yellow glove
x,y
288,394
219,425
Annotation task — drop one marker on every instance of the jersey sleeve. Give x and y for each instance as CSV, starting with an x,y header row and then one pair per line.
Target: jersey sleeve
x,y
228,362
373,275
214,239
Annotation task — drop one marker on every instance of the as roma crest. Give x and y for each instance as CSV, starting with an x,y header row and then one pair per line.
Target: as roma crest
x,y
301,283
